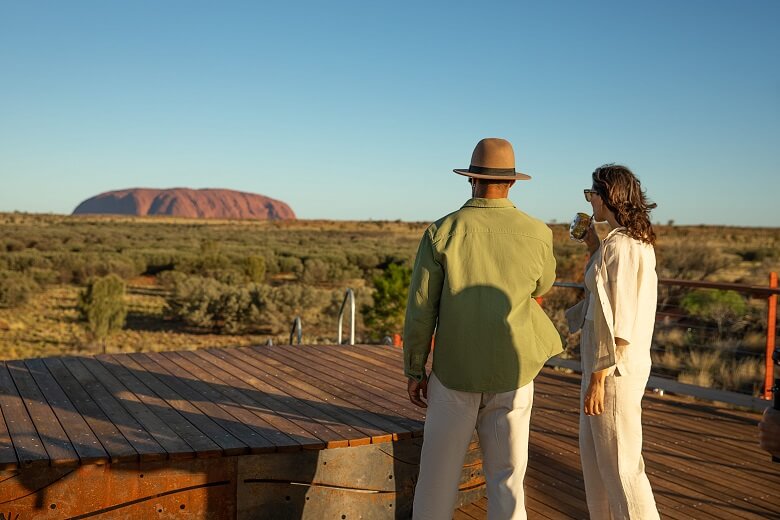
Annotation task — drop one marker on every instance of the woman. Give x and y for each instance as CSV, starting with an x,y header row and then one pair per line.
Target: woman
x,y
616,319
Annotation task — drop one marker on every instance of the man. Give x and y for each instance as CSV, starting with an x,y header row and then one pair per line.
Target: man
x,y
474,278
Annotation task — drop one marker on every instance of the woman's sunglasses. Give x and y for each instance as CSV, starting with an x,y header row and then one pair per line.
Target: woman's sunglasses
x,y
589,194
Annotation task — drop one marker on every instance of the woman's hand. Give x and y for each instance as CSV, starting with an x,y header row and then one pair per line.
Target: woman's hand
x,y
594,395
591,238
594,399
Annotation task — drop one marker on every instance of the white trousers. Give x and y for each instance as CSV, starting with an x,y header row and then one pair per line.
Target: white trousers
x,y
502,423
616,486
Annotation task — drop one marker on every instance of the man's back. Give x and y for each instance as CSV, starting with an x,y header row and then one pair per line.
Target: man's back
x,y
488,259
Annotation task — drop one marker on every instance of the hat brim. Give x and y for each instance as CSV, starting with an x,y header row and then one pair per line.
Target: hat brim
x,y
516,177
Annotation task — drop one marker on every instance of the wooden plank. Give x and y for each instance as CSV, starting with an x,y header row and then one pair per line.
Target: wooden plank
x,y
8,458
364,395
392,390
196,439
28,445
278,440
148,449
662,487
175,447
267,403
170,389
349,394
354,428
59,448
225,413
301,412
115,444
392,387
84,440
670,484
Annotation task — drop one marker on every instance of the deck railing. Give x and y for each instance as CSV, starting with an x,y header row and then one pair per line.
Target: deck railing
x,y
349,295
668,309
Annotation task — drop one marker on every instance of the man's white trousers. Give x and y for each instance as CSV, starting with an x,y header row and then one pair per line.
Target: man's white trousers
x,y
502,423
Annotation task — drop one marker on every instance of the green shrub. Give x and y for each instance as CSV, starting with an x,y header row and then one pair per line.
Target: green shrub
x,y
102,306
255,268
720,307
15,288
391,289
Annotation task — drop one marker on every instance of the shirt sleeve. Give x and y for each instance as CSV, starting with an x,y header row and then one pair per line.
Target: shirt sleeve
x,y
546,280
422,309
622,264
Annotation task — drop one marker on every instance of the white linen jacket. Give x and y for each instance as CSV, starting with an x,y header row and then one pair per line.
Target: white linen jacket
x,y
626,299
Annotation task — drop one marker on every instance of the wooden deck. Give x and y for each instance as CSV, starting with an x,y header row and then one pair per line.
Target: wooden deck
x,y
703,461
249,432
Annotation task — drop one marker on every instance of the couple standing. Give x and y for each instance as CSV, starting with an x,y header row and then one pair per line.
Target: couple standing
x,y
476,273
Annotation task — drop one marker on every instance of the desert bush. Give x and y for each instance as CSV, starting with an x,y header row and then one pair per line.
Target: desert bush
x,y
312,304
290,264
12,245
741,375
81,268
391,289
720,307
26,260
15,288
102,306
315,270
757,254
169,279
700,368
255,268
43,276
208,303
690,261
227,276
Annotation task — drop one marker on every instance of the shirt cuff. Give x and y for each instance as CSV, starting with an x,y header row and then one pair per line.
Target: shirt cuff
x,y
414,375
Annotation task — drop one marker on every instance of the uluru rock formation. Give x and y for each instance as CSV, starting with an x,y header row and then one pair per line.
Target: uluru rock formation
x,y
187,203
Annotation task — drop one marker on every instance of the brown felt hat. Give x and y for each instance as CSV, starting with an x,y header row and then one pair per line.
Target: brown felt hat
x,y
493,159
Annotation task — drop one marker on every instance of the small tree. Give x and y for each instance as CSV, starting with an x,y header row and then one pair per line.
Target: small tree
x,y
255,269
102,306
391,289
721,307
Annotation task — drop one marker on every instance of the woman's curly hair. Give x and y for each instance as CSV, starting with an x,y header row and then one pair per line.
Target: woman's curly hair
x,y
622,193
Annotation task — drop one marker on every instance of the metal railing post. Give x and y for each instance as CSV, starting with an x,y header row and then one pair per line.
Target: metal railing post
x,y
349,294
296,327
771,332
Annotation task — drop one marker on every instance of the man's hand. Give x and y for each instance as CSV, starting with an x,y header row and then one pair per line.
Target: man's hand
x,y
594,396
769,431
415,388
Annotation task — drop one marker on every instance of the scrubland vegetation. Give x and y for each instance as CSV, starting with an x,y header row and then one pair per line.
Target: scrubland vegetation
x,y
188,284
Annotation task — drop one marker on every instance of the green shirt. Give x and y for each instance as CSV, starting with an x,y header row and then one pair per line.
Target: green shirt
x,y
474,277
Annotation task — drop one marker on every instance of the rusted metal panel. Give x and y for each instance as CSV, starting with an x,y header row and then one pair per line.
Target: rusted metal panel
x,y
200,488
374,481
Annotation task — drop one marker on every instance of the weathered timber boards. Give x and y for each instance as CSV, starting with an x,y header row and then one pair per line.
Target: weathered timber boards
x,y
26,441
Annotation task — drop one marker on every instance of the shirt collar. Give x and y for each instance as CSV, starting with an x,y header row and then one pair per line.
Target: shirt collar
x,y
619,229
488,203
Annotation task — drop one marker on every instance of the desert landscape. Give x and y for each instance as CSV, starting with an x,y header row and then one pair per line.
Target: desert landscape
x,y
189,284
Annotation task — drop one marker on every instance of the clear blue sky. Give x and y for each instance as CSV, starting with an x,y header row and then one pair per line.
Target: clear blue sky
x,y
360,110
